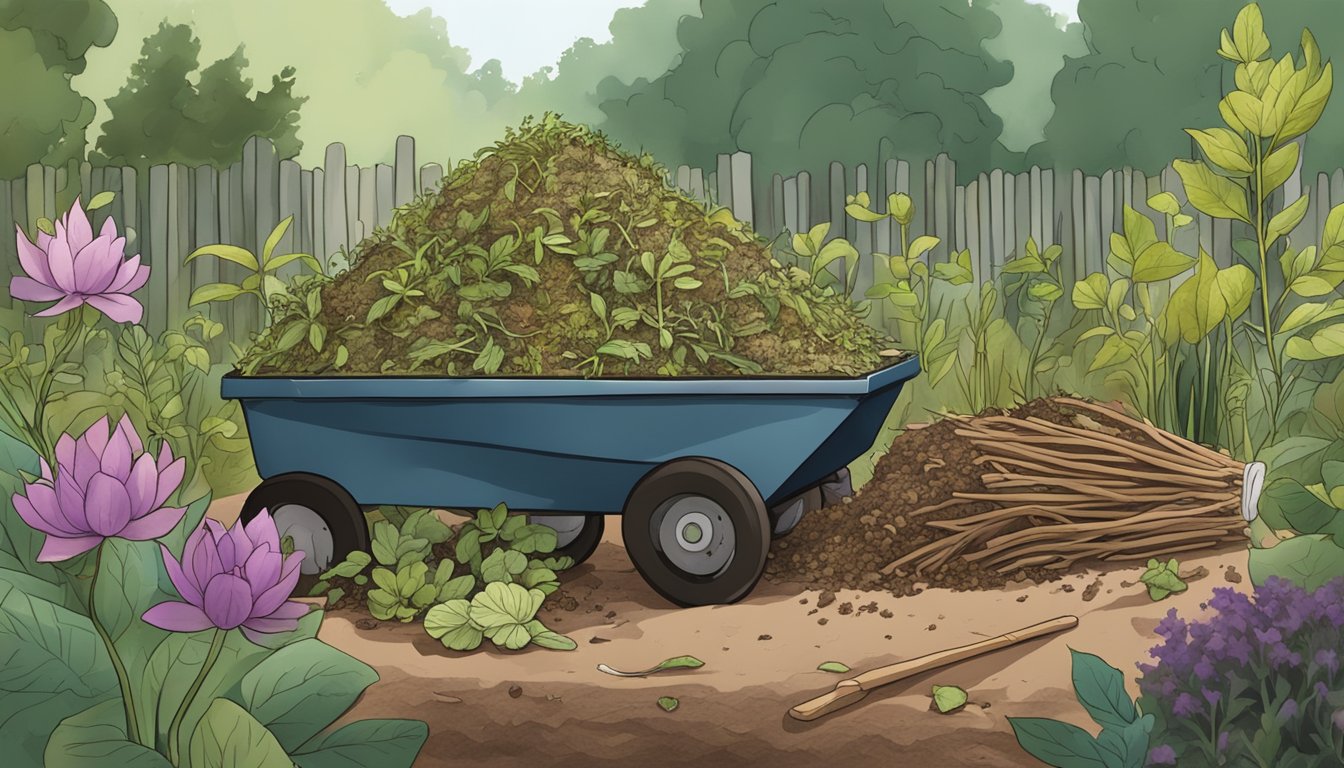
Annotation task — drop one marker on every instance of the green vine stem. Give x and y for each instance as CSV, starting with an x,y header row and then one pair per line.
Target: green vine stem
x,y
175,729
127,699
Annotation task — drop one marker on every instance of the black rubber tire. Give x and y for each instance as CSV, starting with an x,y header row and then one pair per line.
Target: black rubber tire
x,y
812,501
337,508
728,488
585,544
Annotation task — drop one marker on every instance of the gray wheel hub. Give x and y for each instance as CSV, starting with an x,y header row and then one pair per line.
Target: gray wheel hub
x,y
310,534
695,534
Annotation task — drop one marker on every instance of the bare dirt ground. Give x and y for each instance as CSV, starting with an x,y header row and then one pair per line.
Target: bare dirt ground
x,y
539,707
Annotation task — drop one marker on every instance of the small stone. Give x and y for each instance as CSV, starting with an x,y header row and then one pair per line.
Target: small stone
x,y
611,614
826,599
886,613
886,637
1091,591
515,691
1231,576
911,496
1067,587
846,609
822,621
814,610
803,601
597,606
765,637
595,640
366,624
553,697
932,627
1022,599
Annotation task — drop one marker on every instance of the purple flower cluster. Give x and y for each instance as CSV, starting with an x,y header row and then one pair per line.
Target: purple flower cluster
x,y
1275,652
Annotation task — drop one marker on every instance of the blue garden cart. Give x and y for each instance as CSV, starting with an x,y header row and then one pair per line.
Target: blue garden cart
x,y
702,471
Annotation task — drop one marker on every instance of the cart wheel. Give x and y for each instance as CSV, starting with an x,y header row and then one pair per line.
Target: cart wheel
x,y
576,536
697,531
321,516
785,517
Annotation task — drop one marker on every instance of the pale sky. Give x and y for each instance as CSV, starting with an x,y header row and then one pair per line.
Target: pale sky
x,y
538,31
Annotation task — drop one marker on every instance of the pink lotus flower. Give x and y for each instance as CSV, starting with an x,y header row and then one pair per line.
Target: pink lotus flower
x,y
105,486
74,268
232,578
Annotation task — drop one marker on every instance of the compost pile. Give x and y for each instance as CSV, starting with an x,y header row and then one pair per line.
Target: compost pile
x,y
555,253
972,503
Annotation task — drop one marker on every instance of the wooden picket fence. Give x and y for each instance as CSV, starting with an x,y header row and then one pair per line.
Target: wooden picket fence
x,y
173,209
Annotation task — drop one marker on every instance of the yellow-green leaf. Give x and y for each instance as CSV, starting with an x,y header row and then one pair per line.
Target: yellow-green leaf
x,y
1237,284
1248,109
1278,167
1224,149
1248,33
1230,117
1165,203
1326,343
99,200
1286,221
862,213
1090,292
1212,194
1139,230
1196,307
1160,262
922,245
239,256
1311,312
1334,229
214,292
901,207
1114,350
1309,106
948,698
273,239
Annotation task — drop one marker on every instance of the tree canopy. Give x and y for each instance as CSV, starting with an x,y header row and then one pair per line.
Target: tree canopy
x,y
161,116
42,46
805,83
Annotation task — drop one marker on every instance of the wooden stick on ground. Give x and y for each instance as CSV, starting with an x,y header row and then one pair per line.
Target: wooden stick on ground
x,y
852,690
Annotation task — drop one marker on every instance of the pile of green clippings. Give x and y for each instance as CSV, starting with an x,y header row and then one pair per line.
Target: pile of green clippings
x,y
554,253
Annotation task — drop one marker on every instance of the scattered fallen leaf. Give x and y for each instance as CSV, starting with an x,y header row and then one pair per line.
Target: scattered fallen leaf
x,y
676,662
668,703
833,666
948,698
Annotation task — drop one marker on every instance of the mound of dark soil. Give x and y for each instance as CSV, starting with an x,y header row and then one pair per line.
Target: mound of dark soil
x,y
847,546
555,253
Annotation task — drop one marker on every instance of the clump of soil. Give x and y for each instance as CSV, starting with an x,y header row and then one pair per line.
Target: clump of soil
x,y
556,253
848,545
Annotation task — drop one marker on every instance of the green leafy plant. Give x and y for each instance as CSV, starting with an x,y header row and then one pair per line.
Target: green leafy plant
x,y
1039,286
948,698
1274,103
505,613
821,253
911,290
1100,688
978,380
262,281
1132,342
1162,579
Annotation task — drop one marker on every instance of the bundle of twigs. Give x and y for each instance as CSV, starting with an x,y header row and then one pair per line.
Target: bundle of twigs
x,y
1071,493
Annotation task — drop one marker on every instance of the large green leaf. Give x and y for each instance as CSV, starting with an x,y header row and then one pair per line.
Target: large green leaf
x,y
303,688
382,743
450,623
228,736
1100,688
1127,746
503,610
1286,503
1091,291
1212,194
129,579
19,544
1308,561
97,736
1159,262
54,666
1055,743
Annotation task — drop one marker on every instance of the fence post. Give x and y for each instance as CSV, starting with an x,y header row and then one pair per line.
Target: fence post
x,y
335,228
743,207
405,171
